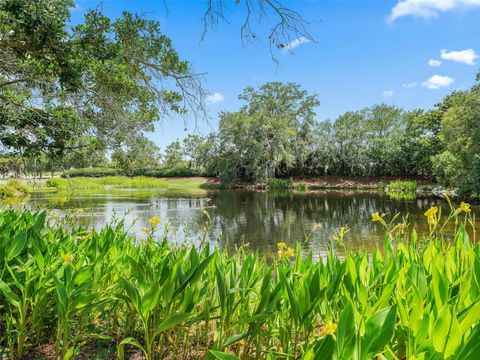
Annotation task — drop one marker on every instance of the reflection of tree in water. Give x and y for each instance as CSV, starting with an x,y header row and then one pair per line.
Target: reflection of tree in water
x,y
259,218
263,219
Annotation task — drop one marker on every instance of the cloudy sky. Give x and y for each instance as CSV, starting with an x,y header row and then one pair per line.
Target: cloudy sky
x,y
410,53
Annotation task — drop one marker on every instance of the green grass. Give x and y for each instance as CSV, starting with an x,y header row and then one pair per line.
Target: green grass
x,y
416,298
124,182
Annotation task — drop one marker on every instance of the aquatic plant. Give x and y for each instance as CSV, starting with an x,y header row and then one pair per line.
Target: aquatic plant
x,y
302,187
280,184
13,188
405,186
416,298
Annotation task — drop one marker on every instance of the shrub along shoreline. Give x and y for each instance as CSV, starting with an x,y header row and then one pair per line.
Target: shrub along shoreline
x,y
415,298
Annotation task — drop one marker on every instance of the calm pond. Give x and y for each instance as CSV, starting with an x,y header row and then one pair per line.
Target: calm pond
x,y
259,218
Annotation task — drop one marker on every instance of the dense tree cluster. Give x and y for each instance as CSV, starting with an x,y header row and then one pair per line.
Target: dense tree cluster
x,y
275,134
85,95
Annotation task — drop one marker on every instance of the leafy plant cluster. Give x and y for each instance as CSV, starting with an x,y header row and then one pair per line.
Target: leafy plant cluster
x,y
280,184
415,299
13,188
402,186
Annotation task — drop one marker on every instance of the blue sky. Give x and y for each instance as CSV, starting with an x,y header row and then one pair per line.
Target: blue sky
x,y
366,52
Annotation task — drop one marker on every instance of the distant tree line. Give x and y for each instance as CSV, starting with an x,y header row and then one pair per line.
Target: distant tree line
x,y
275,134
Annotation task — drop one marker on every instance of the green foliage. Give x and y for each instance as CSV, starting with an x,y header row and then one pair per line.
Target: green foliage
x,y
53,182
263,138
20,187
174,155
139,152
122,182
280,184
7,192
92,172
447,168
470,185
301,187
458,117
109,77
398,185
13,188
73,286
170,172
376,141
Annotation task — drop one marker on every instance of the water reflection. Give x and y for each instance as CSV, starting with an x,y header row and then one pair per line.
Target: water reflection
x,y
259,218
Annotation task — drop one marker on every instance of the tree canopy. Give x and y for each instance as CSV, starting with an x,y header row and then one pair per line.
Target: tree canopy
x,y
105,78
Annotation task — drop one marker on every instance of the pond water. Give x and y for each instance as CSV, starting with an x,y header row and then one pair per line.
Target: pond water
x,y
259,218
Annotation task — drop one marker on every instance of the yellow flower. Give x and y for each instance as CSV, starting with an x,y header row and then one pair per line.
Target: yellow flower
x,y
431,212
146,230
376,217
63,200
290,252
330,328
317,226
465,207
281,245
68,258
154,221
431,215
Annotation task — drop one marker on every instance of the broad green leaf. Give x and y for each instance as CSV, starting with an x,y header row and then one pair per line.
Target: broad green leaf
x,y
171,322
446,334
17,245
82,275
9,294
128,341
379,330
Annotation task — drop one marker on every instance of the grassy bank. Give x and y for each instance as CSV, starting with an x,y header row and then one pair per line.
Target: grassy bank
x,y
145,182
350,182
90,292
124,182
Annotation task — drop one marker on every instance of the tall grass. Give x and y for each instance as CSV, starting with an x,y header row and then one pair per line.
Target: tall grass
x,y
280,184
122,182
414,298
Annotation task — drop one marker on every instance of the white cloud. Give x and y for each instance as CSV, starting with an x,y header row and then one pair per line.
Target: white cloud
x,y
410,85
434,63
464,56
215,98
429,9
294,43
388,93
438,81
